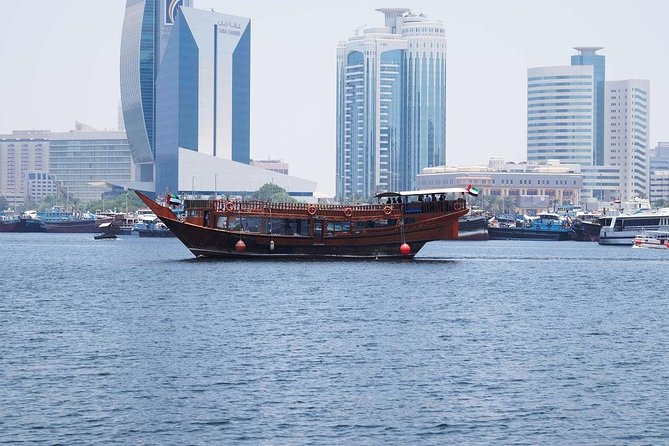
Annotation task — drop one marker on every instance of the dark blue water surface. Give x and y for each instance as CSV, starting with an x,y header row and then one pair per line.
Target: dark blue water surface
x,y
134,341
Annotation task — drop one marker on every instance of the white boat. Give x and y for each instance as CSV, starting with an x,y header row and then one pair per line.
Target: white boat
x,y
622,229
652,239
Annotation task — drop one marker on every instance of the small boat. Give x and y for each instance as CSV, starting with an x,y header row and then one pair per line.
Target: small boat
x,y
396,228
105,236
652,240
107,232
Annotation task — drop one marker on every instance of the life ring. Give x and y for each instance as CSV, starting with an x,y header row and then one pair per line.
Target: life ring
x,y
458,206
348,211
229,206
311,209
387,210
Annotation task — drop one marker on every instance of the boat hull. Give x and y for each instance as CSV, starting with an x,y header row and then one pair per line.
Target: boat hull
x,y
473,228
78,226
527,234
22,225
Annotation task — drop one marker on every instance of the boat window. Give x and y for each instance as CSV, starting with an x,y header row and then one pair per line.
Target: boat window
x,y
338,226
250,224
221,221
287,226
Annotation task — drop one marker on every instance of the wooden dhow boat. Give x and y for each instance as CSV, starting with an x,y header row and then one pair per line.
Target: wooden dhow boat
x,y
397,227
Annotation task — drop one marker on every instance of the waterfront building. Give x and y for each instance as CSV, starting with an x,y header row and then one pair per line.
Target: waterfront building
x,y
22,152
628,135
391,104
560,117
147,25
84,156
552,183
587,56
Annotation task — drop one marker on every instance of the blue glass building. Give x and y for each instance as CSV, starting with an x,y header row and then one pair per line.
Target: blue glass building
x,y
146,27
391,104
589,56
185,83
202,94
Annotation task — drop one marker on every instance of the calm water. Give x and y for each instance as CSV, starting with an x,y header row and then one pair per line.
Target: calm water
x,y
134,341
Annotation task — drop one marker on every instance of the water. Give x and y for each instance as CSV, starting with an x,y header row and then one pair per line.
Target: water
x,y
133,341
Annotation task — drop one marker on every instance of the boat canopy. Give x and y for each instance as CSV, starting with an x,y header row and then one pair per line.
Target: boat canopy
x,y
448,190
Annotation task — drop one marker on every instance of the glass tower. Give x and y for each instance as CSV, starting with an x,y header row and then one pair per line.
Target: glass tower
x,y
203,93
391,104
146,27
589,56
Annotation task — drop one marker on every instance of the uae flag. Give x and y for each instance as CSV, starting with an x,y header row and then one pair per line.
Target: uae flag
x,y
471,190
172,199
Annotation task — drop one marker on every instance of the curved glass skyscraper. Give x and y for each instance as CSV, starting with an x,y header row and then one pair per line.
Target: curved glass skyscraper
x,y
146,27
391,104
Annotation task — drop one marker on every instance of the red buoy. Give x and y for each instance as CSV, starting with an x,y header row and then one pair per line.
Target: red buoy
x,y
405,249
240,246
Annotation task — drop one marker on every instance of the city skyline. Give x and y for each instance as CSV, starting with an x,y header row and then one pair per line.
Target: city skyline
x,y
57,77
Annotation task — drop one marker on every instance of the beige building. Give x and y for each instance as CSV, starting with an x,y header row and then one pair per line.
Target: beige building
x,y
22,152
538,185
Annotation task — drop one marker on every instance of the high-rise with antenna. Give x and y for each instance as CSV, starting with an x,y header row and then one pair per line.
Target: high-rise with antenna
x,y
391,104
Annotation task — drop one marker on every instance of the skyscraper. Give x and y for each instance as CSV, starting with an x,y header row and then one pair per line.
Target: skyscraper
x,y
628,135
203,92
560,119
391,104
146,27
588,56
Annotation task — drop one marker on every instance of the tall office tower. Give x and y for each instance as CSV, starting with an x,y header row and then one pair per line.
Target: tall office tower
x,y
391,104
203,94
628,135
146,27
589,56
560,114
22,152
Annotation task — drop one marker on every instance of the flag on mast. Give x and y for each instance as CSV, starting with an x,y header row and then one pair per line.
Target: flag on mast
x,y
471,190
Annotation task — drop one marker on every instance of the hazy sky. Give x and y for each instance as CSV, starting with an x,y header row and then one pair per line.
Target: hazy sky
x,y
60,63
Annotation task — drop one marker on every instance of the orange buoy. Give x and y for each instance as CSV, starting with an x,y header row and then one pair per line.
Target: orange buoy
x,y
405,249
240,246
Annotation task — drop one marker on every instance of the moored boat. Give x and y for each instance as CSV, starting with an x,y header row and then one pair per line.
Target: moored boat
x,y
473,227
155,229
652,239
546,226
394,229
21,223
622,229
60,220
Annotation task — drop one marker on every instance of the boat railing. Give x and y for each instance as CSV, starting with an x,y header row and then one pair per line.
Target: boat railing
x,y
326,210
